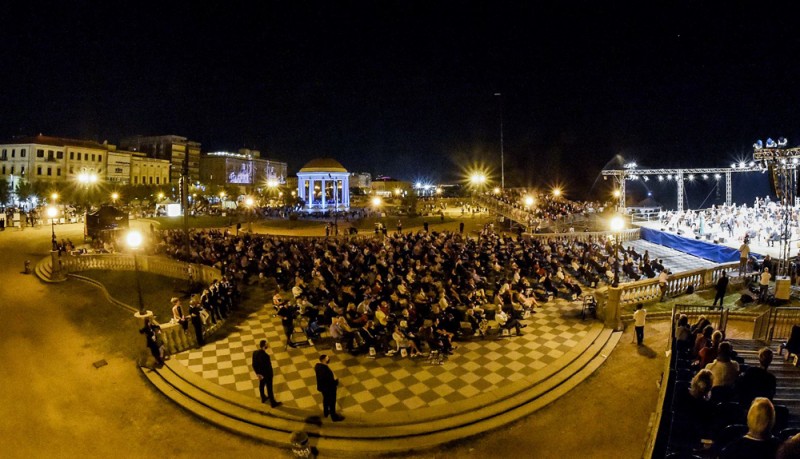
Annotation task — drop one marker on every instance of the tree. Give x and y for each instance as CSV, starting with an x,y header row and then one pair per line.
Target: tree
x,y
5,191
409,202
24,190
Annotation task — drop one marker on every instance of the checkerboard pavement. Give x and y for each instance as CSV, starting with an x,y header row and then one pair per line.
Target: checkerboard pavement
x,y
388,383
674,260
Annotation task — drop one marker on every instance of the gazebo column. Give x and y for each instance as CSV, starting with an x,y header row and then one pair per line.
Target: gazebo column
x,y
323,194
310,192
346,192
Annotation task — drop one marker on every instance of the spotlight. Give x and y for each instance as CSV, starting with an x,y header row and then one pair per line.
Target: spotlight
x,y
771,143
645,178
741,164
782,141
752,163
758,145
705,176
660,178
691,177
717,176
669,176
733,166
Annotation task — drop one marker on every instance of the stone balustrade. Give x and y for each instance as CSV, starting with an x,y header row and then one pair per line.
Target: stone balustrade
x,y
648,290
175,339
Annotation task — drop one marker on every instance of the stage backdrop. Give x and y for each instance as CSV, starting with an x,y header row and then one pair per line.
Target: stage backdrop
x,y
713,252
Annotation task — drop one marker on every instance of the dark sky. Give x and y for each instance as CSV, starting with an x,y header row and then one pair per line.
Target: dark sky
x,y
405,88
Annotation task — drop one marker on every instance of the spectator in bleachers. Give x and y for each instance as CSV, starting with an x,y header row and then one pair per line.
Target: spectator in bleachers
x,y
790,449
757,381
702,339
709,353
724,369
758,443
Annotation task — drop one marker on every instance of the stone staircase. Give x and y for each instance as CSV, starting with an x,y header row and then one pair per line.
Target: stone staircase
x,y
787,375
366,434
44,270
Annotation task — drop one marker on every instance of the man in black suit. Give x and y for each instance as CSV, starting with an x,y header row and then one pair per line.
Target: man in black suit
x,y
327,384
262,365
721,287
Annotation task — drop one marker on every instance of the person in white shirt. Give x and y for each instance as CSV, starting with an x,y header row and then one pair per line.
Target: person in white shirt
x,y
638,322
662,283
763,284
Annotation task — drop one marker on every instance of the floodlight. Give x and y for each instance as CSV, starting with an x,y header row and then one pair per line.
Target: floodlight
x,y
660,178
771,143
782,141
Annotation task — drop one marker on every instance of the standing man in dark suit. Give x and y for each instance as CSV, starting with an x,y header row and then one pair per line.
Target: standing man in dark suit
x,y
262,365
327,384
721,287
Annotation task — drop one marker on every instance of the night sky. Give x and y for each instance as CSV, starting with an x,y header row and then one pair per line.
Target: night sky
x,y
406,88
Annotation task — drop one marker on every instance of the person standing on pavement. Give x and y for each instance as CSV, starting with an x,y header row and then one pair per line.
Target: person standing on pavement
x,y
721,287
262,366
197,321
638,322
744,254
327,385
763,285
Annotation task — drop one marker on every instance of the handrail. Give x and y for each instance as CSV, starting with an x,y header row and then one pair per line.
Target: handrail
x,y
761,326
781,321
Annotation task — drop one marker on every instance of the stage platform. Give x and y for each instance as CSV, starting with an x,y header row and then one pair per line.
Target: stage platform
x,y
757,249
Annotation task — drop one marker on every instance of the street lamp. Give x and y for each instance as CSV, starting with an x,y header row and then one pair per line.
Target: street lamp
x,y
134,240
114,197
556,192
617,225
502,164
54,197
52,212
529,201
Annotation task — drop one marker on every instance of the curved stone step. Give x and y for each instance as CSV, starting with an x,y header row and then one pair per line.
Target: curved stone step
x,y
398,431
423,415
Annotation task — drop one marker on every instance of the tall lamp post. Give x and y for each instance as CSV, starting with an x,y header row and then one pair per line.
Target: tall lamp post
x,y
52,212
134,240
502,164
617,225
477,180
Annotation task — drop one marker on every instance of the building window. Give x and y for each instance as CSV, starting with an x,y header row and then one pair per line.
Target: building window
x,y
49,171
151,179
50,155
92,156
39,170
60,155
72,156
157,178
3,156
12,170
99,158
4,170
40,153
22,153
71,170
21,170
135,179
79,156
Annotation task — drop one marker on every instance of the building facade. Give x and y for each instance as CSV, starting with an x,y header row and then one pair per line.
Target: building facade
x,y
245,169
57,159
172,148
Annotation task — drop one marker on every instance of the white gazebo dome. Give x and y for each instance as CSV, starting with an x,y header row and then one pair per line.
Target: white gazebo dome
x,y
324,184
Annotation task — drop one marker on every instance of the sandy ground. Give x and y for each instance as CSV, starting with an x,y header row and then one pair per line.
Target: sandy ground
x,y
55,403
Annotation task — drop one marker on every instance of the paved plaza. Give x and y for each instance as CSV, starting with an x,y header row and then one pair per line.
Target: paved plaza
x,y
389,383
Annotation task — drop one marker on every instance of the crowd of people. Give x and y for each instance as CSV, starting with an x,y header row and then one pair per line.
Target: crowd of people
x,y
546,211
407,290
716,389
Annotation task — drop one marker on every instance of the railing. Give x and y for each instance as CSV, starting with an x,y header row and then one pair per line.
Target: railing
x,y
761,327
648,289
152,264
624,236
782,319
718,318
175,339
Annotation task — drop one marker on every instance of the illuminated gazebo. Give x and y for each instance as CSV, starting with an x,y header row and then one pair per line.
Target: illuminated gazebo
x,y
324,184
